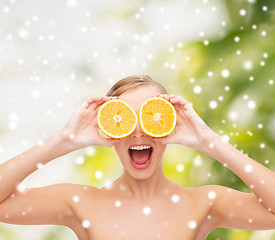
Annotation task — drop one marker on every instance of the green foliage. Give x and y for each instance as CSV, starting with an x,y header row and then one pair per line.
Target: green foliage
x,y
104,160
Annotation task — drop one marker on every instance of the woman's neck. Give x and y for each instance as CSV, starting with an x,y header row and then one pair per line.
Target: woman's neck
x,y
144,189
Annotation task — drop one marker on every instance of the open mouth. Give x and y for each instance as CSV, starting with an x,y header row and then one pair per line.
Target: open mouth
x,y
141,156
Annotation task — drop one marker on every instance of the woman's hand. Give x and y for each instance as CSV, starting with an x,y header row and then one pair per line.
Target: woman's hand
x,y
191,130
82,130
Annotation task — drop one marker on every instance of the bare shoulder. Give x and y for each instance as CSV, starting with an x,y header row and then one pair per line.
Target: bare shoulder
x,y
78,188
78,192
206,197
80,198
207,190
53,204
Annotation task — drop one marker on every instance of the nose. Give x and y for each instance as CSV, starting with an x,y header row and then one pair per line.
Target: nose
x,y
138,132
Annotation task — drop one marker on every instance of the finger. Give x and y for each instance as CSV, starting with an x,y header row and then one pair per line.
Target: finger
x,y
162,95
94,103
191,114
94,99
110,98
181,101
99,99
174,98
170,96
84,105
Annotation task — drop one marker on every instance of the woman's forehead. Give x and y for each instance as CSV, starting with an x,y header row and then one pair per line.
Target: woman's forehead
x,y
139,94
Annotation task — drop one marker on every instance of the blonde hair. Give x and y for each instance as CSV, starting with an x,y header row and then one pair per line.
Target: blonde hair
x,y
132,82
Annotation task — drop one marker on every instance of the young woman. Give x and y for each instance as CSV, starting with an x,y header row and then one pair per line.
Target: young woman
x,y
140,204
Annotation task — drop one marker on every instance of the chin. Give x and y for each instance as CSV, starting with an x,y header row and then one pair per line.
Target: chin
x,y
137,174
141,175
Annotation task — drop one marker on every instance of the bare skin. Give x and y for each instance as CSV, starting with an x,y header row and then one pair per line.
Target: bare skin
x,y
140,204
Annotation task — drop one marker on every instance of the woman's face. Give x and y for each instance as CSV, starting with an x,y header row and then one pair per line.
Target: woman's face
x,y
135,98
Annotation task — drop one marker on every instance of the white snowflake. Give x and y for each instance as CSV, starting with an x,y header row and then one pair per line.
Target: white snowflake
x,y
76,199
85,224
98,174
197,89
175,198
251,104
225,73
247,65
225,138
147,210
212,195
192,224
79,160
262,145
180,167
248,168
242,12
213,104
117,203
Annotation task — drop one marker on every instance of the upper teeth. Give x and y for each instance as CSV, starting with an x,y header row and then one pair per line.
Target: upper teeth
x,y
140,147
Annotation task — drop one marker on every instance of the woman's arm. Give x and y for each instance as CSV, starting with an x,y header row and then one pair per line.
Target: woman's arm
x,y
14,171
231,208
51,204
45,205
260,179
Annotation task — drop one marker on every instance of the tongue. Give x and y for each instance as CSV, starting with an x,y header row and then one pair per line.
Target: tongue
x,y
140,156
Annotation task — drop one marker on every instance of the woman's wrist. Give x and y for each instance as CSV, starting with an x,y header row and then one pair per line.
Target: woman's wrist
x,y
206,141
65,141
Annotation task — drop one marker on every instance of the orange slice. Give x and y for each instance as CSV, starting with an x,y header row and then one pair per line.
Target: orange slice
x,y
116,118
157,117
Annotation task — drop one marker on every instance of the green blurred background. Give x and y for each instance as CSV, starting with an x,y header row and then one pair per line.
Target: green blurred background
x,y
219,55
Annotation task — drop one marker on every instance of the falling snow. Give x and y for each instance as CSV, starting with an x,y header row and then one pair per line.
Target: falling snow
x,y
76,199
212,195
147,210
192,224
44,61
251,104
247,65
225,73
98,174
198,161
236,39
39,165
226,88
175,198
242,12
79,160
180,167
117,203
85,224
262,145
248,168
108,184
225,138
213,104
